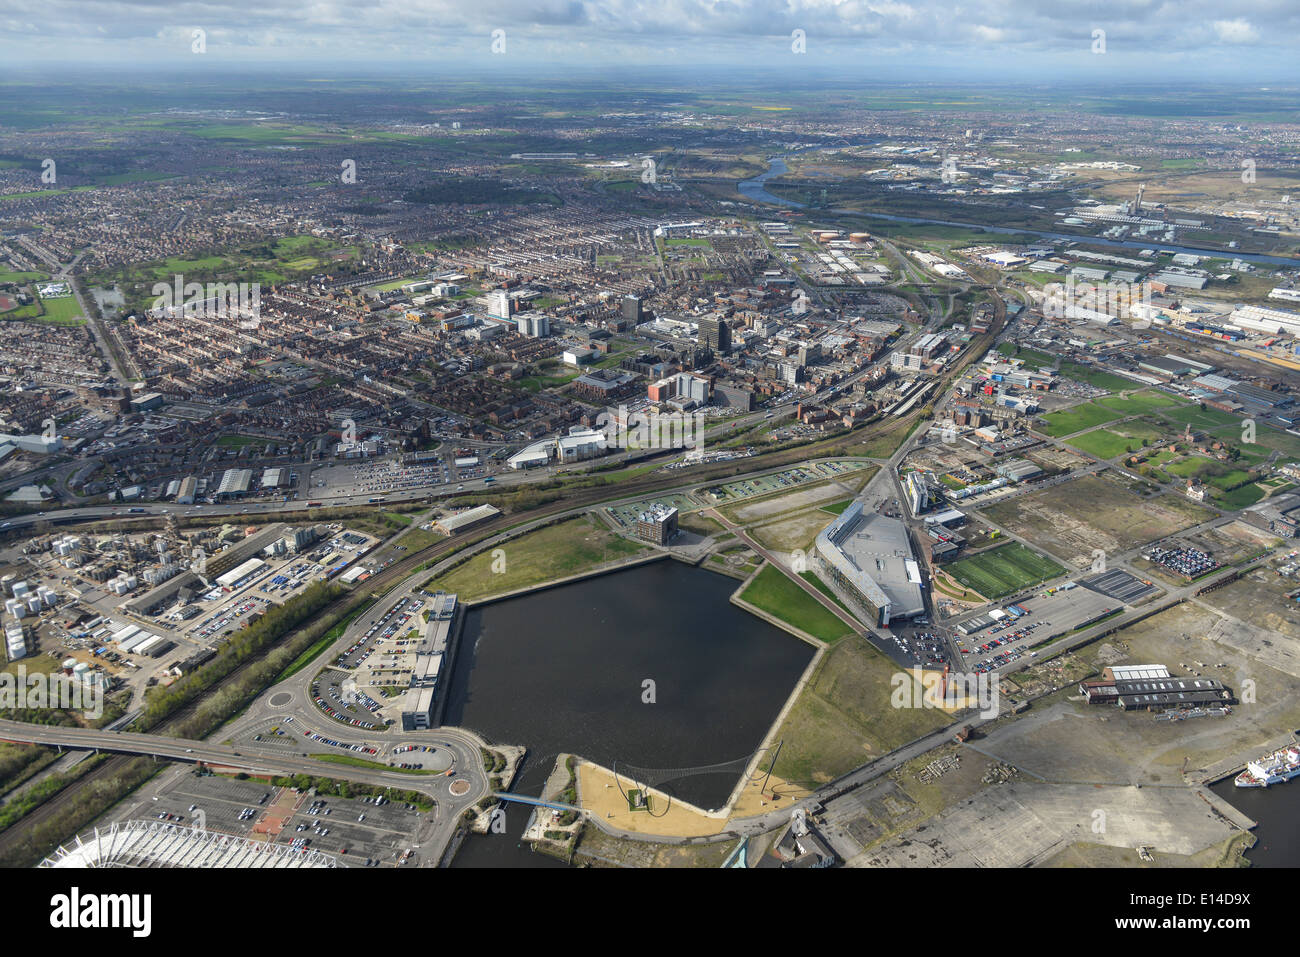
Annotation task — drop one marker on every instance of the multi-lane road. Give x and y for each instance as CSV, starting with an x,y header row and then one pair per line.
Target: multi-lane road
x,y
292,698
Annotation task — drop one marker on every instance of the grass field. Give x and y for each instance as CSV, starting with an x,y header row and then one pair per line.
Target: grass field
x,y
1240,497
1096,377
1032,358
1209,471
9,276
62,311
1086,416
395,284
843,717
169,268
1108,443
557,551
35,194
537,383
1103,443
777,595
698,523
1199,418
1139,402
1003,570
1267,439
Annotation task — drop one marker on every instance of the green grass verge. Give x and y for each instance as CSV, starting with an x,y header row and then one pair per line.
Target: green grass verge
x,y
777,595
556,551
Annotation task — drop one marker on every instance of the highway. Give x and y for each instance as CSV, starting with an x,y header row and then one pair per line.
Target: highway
x,y
182,749
292,697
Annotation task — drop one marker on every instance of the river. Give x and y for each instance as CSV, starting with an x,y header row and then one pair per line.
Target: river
x,y
756,190
1276,809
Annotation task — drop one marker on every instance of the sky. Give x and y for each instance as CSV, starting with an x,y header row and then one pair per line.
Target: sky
x,y
1096,40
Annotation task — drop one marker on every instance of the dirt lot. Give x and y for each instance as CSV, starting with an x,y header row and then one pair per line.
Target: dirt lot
x,y
1233,542
1050,457
1026,823
797,532
1259,597
1060,739
599,849
846,486
1073,519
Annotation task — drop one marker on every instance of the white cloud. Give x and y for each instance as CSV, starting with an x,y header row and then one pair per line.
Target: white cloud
x,y
1003,34
1236,31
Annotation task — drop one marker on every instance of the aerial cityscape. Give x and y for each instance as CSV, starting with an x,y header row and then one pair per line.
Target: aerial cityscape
x,y
519,463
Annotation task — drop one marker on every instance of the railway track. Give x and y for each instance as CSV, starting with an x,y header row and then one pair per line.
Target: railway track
x,y
12,838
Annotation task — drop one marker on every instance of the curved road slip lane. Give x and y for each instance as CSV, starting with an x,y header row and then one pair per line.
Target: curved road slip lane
x,y
438,787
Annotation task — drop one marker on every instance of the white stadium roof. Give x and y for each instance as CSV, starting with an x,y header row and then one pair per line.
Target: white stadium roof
x,y
154,844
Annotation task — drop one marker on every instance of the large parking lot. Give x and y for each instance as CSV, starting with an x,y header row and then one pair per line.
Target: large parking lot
x,y
378,477
779,481
1120,585
279,736
357,831
346,705
225,803
393,626
1007,638
917,645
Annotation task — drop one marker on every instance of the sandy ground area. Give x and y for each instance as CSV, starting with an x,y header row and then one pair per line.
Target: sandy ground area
x,y
600,797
